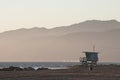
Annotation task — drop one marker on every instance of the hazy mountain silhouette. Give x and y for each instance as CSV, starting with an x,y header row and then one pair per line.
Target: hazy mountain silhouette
x,y
87,26
62,43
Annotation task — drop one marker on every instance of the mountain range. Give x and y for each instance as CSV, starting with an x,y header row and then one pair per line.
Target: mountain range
x,y
65,43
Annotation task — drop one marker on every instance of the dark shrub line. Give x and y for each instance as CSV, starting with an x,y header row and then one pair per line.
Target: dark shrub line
x,y
12,68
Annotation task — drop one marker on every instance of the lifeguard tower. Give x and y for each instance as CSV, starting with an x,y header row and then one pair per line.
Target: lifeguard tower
x,y
91,57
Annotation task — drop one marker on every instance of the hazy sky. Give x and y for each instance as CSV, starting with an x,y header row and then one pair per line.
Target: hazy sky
x,y
16,14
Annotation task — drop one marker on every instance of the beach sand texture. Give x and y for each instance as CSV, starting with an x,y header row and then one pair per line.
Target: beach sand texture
x,y
81,73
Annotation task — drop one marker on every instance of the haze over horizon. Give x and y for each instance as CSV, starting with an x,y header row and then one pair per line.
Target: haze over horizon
x,y
62,44
58,30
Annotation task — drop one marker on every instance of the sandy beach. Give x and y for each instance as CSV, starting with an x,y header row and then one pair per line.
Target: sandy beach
x,y
110,72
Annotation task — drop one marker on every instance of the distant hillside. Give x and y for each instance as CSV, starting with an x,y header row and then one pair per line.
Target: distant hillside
x,y
86,26
62,43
